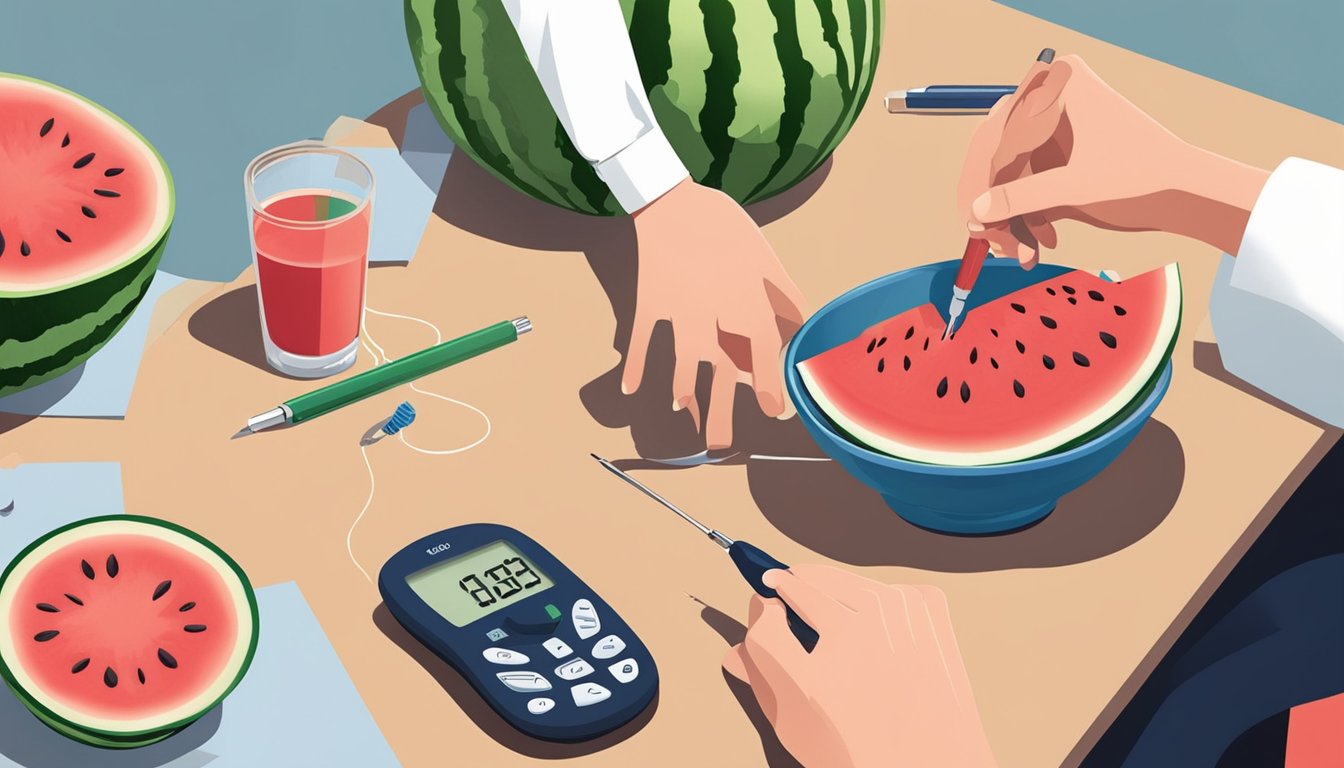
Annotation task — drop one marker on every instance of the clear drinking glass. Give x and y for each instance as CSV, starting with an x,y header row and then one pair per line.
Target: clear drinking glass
x,y
309,208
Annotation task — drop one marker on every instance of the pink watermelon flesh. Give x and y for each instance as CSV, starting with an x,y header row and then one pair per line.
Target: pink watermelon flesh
x,y
1023,375
77,190
91,632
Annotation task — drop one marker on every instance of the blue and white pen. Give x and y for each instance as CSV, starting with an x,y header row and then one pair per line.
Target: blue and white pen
x,y
951,99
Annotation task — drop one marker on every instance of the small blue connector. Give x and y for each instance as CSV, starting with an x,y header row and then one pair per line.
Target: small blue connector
x,y
401,418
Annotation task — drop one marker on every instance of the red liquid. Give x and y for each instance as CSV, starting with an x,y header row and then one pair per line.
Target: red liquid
x,y
312,277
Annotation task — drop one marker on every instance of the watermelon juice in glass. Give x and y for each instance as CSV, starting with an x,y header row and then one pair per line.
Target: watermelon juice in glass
x,y
309,211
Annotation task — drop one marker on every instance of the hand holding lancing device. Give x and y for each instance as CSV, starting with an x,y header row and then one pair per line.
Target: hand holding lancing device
x,y
885,685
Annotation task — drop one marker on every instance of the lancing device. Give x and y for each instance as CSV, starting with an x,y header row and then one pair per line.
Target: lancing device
x,y
971,261
954,99
388,375
751,561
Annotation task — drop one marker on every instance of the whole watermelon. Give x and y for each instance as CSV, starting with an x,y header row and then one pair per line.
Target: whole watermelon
x,y
752,94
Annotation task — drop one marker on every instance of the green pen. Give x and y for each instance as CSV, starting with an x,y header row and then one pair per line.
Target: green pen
x,y
389,375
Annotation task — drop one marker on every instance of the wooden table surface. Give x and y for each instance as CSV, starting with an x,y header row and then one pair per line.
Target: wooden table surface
x,y
1058,624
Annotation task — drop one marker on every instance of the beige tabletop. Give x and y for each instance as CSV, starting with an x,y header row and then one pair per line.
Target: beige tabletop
x,y
1058,624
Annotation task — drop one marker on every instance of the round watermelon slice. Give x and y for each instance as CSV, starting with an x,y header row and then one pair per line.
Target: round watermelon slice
x,y
1024,375
119,631
85,208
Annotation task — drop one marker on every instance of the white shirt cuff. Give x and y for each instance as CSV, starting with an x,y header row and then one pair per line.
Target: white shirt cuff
x,y
1278,307
642,172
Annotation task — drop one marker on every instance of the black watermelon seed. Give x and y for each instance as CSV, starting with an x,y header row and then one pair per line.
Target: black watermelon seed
x,y
24,250
906,363
2,244
110,172
113,568
79,666
73,599
66,141
1021,348
110,677
87,569
965,392
1018,308
194,628
163,588
140,673
1068,289
881,364
45,635
993,333
106,193
88,211
1119,310
926,343
48,608
872,343
167,660
975,355
1049,322
942,387
1096,296
62,235
1081,359
882,341
187,606
46,127
1050,290
1072,300
909,332
1018,389
83,161
1107,339
994,363
1048,362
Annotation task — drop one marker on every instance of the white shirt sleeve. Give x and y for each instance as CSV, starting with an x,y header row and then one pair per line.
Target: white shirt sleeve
x,y
581,52
1278,307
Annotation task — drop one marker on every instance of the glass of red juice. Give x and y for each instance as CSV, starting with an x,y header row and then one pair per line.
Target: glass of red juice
x,y
309,207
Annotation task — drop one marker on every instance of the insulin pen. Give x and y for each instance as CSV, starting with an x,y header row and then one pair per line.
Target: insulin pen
x,y
953,99
384,377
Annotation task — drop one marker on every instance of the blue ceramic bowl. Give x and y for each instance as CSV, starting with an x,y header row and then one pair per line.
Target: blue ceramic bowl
x,y
964,500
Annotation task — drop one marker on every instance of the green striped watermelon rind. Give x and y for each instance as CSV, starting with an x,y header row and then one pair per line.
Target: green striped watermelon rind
x,y
513,132
109,739
26,317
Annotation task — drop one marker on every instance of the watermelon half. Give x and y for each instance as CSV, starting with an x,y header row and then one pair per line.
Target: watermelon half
x,y
752,96
120,631
85,208
1026,374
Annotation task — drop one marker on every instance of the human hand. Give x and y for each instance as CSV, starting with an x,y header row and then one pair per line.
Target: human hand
x,y
705,267
885,685
1068,146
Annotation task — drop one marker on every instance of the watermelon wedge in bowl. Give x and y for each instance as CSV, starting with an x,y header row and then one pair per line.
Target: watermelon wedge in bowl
x,y
1051,374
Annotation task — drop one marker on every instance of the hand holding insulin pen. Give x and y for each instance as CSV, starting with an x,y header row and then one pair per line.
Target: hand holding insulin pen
x,y
384,377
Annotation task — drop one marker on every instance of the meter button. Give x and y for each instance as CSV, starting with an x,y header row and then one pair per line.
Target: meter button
x,y
502,656
540,705
585,619
589,693
524,682
496,634
573,670
558,648
624,671
608,647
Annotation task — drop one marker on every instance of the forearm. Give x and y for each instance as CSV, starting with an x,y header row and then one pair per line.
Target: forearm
x,y
1215,198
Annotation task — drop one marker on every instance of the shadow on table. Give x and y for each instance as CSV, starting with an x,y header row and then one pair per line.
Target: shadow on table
x,y
486,718
732,632
29,743
1209,361
231,323
822,507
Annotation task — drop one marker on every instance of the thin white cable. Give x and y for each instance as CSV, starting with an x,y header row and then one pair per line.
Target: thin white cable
x,y
379,357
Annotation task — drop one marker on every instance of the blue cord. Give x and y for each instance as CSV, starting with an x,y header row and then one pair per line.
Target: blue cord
x,y
401,418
